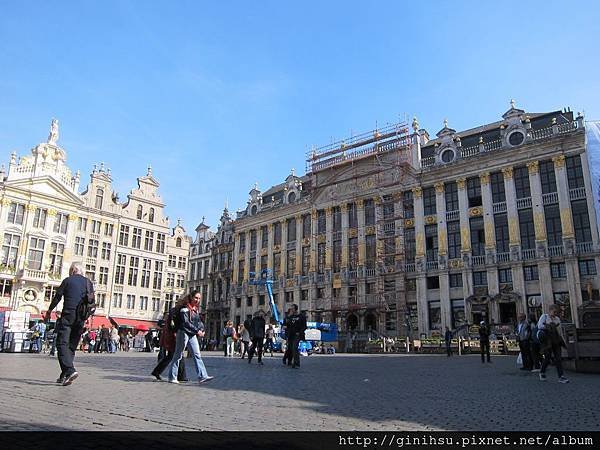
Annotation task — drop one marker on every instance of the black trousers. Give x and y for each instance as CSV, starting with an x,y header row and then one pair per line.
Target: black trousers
x,y
165,361
257,347
67,338
485,350
294,355
269,346
553,352
525,348
448,348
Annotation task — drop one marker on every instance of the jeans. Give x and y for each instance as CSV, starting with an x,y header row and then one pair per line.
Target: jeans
x,y
229,346
164,362
183,341
69,333
294,354
448,348
269,346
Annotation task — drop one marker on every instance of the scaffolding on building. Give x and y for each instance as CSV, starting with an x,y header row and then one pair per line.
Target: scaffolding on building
x,y
391,147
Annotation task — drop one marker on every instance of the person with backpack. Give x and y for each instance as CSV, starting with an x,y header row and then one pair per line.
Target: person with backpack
x,y
167,342
229,338
551,342
78,294
188,328
257,331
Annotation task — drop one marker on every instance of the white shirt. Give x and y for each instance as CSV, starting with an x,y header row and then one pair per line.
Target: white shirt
x,y
546,319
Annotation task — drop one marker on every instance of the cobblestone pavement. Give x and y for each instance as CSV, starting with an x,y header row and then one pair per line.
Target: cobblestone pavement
x,y
340,392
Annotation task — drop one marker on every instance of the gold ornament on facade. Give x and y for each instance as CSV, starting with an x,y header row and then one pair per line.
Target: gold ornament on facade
x,y
489,234
559,161
314,214
513,231
344,207
306,241
270,227
417,192
455,263
420,244
532,166
377,201
52,212
264,251
30,207
328,211
566,221
409,223
276,248
430,220
439,188
539,225
352,233
321,238
465,237
476,211
289,283
442,243
507,172
360,203
73,217
484,178
461,183
6,202
298,217
370,229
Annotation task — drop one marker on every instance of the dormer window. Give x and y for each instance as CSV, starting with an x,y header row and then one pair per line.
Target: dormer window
x,y
140,211
178,242
447,156
99,198
253,210
292,197
151,215
516,138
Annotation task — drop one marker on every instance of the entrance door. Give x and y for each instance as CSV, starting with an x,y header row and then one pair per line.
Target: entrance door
x,y
351,322
479,313
508,312
370,322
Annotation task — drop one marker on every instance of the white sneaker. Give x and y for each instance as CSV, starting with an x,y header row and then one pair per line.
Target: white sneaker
x,y
535,371
542,377
563,380
205,379
174,381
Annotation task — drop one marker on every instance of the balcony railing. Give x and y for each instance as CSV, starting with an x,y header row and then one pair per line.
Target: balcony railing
x,y
291,245
431,265
528,253
410,267
478,260
370,272
352,274
428,162
502,257
304,280
389,227
523,203
31,274
555,250
499,207
577,193
320,278
452,215
467,152
585,247
550,198
493,145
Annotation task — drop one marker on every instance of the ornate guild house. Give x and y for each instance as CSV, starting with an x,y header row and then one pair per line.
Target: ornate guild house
x,y
138,264
398,233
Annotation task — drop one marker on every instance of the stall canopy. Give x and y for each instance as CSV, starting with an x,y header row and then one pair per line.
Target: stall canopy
x,y
141,325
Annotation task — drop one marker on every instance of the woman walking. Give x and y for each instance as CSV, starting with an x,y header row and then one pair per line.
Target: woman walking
x,y
551,342
245,338
167,342
188,328
229,335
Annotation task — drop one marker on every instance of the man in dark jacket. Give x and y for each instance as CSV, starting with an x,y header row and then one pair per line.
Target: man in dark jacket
x,y
295,325
257,332
484,341
73,289
448,339
523,333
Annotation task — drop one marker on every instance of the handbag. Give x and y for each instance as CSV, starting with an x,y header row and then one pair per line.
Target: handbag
x,y
520,360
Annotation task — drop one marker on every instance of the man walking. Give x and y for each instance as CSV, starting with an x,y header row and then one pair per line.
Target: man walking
x,y
257,330
523,332
295,326
74,289
484,341
448,339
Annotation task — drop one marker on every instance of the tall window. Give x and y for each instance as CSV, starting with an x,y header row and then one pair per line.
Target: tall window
x,y
501,229
451,194
371,251
369,212
160,243
252,240
96,226
130,301
306,226
136,240
56,257
321,222
454,243
553,225
474,192
291,230
90,272
305,260
108,229
241,271
60,223
337,219
182,261
505,276
120,269
353,253
337,255
143,303
527,229
408,205
140,212
124,235
82,224
521,177
277,233
149,241
581,221
477,236
146,267
92,248
39,218
276,265
431,242
106,250
530,273
409,245
321,258
36,253
352,215
291,263
103,278
575,172
547,176
264,236
10,248
117,300
99,198
134,263
497,185
157,280
429,205
16,213
151,215
480,278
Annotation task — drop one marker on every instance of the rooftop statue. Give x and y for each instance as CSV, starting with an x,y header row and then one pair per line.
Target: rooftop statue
x,y
53,137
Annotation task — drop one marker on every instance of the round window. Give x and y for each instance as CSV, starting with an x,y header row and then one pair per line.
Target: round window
x,y
447,156
516,138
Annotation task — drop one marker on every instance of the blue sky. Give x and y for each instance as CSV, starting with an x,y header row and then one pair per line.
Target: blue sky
x,y
219,95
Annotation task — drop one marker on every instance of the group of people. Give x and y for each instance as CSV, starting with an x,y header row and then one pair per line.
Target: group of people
x,y
106,339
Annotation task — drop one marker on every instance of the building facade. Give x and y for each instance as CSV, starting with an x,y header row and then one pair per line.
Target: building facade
x,y
126,248
396,233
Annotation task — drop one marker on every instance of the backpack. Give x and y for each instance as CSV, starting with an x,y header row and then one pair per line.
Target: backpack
x,y
174,319
87,306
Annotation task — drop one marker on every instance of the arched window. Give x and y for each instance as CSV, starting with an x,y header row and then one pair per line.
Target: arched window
x,y
139,212
253,210
99,198
178,242
151,215
292,197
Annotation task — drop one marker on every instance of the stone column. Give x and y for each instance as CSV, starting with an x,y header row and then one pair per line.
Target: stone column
x,y
422,306
284,235
463,206
419,228
313,241
512,214
299,239
488,217
440,207
258,252
345,224
545,280
271,240
564,202
247,258
329,239
537,205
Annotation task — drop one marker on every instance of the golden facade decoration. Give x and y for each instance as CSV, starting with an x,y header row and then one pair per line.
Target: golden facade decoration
x,y
477,211
461,183
559,161
409,223
507,172
430,220
533,167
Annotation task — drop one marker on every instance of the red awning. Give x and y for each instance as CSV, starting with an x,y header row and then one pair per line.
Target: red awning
x,y
142,325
